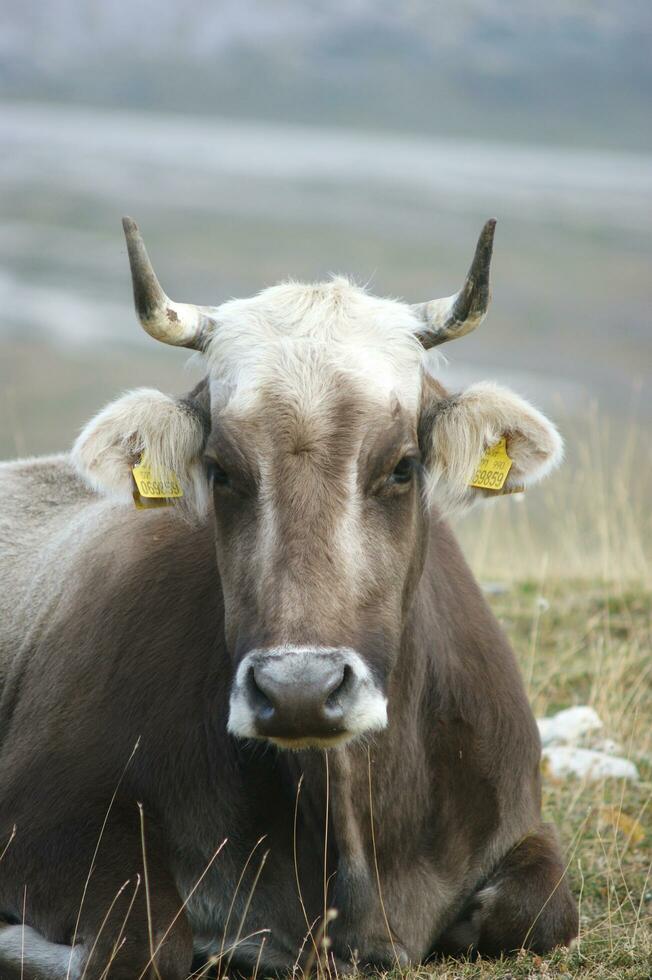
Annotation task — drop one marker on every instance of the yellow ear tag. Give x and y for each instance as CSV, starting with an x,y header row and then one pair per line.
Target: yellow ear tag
x,y
493,468
150,492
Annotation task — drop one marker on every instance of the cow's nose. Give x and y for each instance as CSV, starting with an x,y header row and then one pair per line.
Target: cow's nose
x,y
310,703
300,696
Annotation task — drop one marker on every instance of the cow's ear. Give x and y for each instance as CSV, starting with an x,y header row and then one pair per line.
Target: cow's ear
x,y
172,432
458,430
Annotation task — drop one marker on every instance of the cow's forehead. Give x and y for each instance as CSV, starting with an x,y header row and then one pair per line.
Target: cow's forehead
x,y
297,336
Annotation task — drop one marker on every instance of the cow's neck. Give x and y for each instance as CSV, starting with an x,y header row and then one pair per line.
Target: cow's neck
x,y
373,787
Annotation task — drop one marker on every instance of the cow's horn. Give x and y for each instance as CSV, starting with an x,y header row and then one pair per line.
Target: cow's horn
x,y
454,316
179,324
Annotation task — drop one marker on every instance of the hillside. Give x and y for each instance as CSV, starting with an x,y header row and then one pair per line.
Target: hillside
x,y
567,71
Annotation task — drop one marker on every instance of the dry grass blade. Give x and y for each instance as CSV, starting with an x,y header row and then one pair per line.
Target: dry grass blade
x,y
188,897
325,868
314,952
236,891
578,837
247,907
295,857
121,939
321,943
95,853
8,844
22,938
215,960
103,924
148,900
260,953
376,868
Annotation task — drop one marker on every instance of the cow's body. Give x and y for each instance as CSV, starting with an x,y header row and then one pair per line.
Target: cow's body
x,y
130,649
156,665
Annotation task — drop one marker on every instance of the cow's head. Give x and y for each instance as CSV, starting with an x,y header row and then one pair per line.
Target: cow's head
x,y
322,448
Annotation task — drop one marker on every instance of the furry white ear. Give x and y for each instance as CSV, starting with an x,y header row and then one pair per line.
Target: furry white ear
x,y
464,426
144,420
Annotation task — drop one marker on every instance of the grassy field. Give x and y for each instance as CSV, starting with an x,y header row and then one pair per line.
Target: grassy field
x,y
588,642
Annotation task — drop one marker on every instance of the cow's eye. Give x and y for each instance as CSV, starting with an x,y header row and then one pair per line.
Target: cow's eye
x,y
403,471
216,475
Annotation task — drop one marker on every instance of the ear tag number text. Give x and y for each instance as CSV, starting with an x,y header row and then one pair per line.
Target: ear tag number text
x,y
160,490
493,468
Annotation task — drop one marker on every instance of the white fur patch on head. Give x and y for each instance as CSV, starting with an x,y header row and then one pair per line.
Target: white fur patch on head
x,y
332,323
468,424
144,420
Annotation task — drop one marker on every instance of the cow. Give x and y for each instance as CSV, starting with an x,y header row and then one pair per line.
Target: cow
x,y
273,726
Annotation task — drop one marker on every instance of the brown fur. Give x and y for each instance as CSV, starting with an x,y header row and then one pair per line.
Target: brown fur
x,y
140,644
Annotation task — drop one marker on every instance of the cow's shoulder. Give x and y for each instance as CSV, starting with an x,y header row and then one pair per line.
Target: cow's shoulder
x,y
64,546
36,485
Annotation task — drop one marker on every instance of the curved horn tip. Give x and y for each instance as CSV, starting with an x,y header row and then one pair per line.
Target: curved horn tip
x,y
177,324
453,317
478,274
129,226
486,237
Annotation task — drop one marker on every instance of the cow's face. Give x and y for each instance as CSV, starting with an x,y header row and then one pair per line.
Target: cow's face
x,y
318,443
318,490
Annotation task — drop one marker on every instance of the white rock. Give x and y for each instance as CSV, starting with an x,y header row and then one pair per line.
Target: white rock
x,y
568,726
567,760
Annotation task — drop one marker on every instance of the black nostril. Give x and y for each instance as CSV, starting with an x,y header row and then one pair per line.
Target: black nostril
x,y
338,688
262,705
301,695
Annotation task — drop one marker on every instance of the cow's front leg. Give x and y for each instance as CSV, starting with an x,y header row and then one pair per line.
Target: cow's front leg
x,y
27,954
122,921
146,934
525,903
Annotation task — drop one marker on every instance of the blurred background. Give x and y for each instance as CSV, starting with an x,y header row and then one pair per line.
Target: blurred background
x,y
255,141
